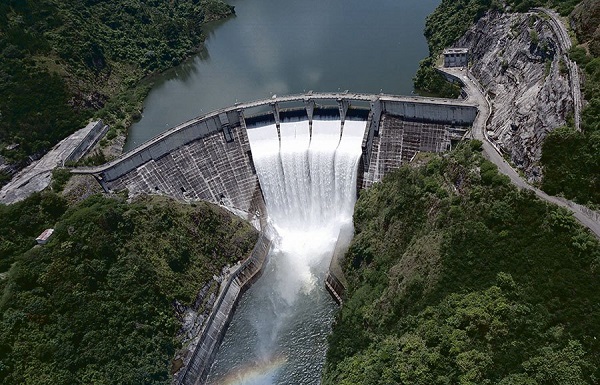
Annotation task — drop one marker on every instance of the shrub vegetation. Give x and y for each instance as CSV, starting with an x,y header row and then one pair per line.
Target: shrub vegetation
x,y
95,305
455,276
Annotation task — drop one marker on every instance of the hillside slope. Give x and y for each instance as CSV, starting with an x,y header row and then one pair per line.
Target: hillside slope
x,y
102,302
455,276
586,21
569,159
519,61
61,62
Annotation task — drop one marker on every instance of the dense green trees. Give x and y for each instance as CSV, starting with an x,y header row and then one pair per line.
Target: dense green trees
x,y
457,277
23,221
95,305
571,159
62,61
572,164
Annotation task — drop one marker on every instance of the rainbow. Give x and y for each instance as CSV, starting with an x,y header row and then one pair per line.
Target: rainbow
x,y
261,373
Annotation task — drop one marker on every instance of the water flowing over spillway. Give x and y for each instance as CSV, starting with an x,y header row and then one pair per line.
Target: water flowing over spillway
x,y
278,334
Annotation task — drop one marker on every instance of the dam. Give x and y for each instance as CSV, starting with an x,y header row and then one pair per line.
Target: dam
x,y
210,158
292,166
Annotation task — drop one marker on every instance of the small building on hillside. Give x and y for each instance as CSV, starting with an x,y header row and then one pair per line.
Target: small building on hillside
x,y
44,237
456,57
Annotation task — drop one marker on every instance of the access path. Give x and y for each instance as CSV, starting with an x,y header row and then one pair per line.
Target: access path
x,y
564,40
476,94
37,175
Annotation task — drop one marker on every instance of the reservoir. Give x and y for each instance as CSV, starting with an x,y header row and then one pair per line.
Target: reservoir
x,y
289,46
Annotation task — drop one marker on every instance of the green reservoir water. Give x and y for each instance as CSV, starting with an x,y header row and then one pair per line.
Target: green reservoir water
x,y
291,46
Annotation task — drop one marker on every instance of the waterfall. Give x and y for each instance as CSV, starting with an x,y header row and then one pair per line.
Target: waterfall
x,y
278,334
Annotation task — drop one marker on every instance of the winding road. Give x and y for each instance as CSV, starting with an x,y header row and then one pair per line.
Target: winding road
x,y
475,93
564,40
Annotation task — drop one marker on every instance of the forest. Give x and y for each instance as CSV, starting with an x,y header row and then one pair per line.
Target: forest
x,y
455,276
63,62
96,304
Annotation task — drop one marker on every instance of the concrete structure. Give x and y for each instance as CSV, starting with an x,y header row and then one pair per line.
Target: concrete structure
x,y
399,140
209,157
87,138
37,175
456,57
44,236
197,366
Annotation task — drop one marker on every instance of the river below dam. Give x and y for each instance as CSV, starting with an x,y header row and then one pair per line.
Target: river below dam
x,y
285,47
279,333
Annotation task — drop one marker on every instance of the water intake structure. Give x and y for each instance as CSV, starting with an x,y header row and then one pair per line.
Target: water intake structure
x,y
308,175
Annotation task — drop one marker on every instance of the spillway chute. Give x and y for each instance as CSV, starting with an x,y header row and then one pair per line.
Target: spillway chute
x,y
307,173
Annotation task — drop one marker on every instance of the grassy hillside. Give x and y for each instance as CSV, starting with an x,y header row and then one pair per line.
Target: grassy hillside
x,y
62,62
95,305
457,277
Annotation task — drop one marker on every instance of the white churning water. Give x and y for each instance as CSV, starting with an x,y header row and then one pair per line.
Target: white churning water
x,y
278,334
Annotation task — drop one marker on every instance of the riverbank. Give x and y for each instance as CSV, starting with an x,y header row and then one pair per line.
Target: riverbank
x,y
194,361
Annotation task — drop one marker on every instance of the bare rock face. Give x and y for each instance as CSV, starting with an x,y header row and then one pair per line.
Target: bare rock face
x,y
518,60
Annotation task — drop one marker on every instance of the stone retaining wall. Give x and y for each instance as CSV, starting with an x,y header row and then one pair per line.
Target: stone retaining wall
x,y
196,369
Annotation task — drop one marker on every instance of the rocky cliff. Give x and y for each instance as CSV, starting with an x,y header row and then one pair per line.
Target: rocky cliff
x,y
518,60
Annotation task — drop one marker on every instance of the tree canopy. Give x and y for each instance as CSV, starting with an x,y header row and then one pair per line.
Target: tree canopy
x,y
61,62
455,276
96,304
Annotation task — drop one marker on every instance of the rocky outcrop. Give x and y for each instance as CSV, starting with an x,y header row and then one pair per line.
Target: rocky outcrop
x,y
193,319
518,60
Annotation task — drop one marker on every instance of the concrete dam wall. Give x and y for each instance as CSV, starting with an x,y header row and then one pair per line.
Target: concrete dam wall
x,y
209,157
198,364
